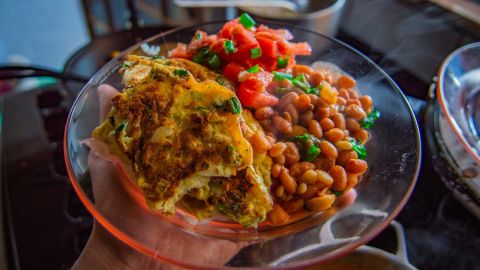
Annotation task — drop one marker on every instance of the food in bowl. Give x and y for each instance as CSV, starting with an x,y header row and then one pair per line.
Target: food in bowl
x,y
229,124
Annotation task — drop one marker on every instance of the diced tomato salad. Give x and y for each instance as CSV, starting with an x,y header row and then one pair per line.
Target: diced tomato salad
x,y
247,55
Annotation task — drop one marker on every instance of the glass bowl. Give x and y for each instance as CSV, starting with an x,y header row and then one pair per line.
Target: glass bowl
x,y
394,153
458,94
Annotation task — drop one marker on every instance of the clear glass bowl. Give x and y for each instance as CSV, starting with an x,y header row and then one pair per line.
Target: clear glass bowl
x,y
458,92
394,153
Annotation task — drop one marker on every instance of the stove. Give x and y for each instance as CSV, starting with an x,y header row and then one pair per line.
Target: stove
x,y
46,226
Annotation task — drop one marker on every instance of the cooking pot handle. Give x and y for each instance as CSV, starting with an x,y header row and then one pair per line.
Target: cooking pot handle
x,y
401,243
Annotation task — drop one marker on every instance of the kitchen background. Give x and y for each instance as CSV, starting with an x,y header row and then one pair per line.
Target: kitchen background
x,y
44,224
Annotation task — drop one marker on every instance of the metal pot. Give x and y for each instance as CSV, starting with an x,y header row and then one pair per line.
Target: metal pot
x,y
367,257
320,16
363,258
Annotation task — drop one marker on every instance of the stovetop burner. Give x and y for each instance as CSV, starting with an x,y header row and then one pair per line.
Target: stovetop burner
x,y
46,218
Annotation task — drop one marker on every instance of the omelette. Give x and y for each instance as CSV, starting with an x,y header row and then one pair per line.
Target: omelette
x,y
183,132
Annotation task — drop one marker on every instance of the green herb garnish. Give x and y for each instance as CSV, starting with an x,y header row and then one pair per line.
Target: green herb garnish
x,y
155,57
233,105
255,53
221,207
120,128
230,148
127,64
206,57
368,121
361,150
336,193
202,108
307,144
201,55
282,62
198,36
279,76
220,80
301,82
312,153
246,21
312,90
254,69
213,60
182,73
229,47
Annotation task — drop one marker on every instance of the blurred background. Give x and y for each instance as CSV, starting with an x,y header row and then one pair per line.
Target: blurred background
x,y
49,48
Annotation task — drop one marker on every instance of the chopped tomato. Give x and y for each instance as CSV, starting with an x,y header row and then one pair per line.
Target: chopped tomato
x,y
267,63
219,47
180,52
284,33
244,41
301,48
231,71
268,46
251,98
262,79
226,31
210,39
284,47
268,35
199,40
271,45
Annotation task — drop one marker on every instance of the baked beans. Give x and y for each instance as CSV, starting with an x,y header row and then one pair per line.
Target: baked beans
x,y
313,141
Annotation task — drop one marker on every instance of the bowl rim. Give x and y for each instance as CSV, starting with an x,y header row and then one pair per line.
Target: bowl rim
x,y
130,241
443,101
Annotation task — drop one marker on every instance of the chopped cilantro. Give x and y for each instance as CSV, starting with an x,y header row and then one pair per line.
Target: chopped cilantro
x,y
213,60
233,105
282,62
368,121
127,64
198,36
201,55
336,193
279,76
253,69
309,151
206,57
182,73
361,150
247,21
301,82
154,57
312,90
229,47
220,80
255,53
220,207
202,108
120,128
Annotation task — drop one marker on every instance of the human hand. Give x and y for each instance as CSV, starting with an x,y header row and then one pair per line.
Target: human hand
x,y
119,203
